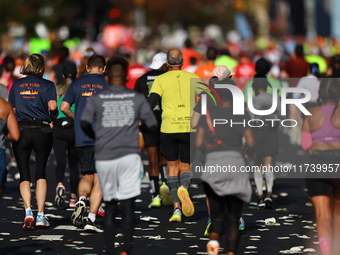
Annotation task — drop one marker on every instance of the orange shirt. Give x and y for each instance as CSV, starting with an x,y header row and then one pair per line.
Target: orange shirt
x,y
190,53
205,71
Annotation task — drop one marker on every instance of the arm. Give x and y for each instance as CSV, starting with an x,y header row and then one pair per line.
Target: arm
x,y
87,128
12,126
52,106
199,140
306,136
147,116
65,108
250,142
153,99
195,119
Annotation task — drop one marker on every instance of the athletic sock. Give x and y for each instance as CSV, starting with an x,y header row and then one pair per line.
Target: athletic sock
x,y
186,179
164,172
258,181
40,214
82,198
92,217
325,245
269,181
173,186
28,209
154,184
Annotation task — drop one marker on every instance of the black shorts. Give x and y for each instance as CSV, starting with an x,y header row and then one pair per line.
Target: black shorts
x,y
86,162
152,139
319,186
177,146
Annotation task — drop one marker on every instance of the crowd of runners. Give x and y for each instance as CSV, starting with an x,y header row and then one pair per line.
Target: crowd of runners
x,y
98,116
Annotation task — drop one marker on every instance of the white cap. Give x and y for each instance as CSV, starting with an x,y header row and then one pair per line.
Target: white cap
x,y
158,60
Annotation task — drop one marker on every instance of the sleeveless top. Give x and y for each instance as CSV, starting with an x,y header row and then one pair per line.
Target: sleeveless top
x,y
327,133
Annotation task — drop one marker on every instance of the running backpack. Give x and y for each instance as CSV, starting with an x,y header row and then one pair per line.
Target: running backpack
x,y
212,130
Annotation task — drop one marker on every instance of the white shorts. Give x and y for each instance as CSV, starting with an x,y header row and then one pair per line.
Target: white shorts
x,y
120,178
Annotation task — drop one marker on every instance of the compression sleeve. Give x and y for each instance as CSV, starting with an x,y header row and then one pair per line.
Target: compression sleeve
x,y
153,99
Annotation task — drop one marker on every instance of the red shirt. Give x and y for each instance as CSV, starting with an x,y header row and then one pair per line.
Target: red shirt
x,y
296,68
134,72
244,72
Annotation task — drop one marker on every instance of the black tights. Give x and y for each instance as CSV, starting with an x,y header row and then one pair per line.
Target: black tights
x,y
63,142
128,216
219,216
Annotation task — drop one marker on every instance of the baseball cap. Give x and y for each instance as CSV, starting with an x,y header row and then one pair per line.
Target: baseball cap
x,y
158,60
70,70
222,72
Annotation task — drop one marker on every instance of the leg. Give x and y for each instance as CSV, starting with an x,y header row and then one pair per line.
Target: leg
x,y
74,172
322,208
173,169
268,162
42,143
3,170
128,223
153,169
110,226
59,147
22,151
217,207
336,220
96,195
234,213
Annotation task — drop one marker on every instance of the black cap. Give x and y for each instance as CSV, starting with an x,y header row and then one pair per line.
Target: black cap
x,y
70,70
262,66
116,60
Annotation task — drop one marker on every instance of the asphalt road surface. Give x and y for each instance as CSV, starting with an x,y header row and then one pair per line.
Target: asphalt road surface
x,y
292,211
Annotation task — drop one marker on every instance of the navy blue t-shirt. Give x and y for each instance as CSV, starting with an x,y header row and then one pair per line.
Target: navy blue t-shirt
x,y
30,97
78,93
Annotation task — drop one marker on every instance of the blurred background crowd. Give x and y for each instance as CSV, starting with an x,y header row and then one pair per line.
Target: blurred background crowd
x,y
241,30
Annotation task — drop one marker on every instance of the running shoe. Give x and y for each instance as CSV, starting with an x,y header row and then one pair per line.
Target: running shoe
x,y
60,196
77,218
123,253
42,221
241,225
213,247
261,203
268,202
176,216
165,193
207,229
188,208
73,202
28,221
101,211
155,202
92,226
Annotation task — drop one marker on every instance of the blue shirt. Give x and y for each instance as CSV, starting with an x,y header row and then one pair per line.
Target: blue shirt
x,y
79,91
30,97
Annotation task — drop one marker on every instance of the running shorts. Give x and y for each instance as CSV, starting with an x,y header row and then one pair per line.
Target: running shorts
x,y
86,160
3,168
177,146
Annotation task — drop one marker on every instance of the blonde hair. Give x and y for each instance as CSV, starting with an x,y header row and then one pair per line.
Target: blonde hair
x,y
34,65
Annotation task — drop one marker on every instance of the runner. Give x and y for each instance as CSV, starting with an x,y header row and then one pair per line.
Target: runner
x,y
35,102
321,136
117,112
224,147
205,71
178,96
267,141
157,163
78,93
64,144
9,128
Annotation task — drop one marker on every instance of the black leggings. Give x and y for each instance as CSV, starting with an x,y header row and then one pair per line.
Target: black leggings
x,y
111,207
63,142
39,141
219,216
